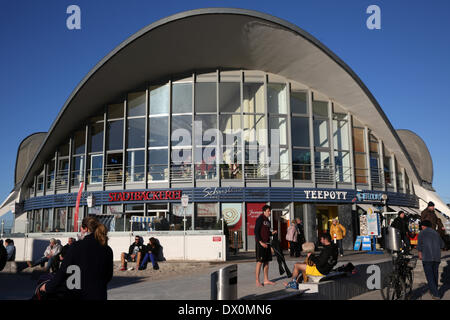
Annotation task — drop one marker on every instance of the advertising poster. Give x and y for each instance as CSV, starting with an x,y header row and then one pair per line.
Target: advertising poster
x,y
254,210
372,222
232,213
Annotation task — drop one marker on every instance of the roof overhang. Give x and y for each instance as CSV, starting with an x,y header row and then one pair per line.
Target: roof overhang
x,y
206,39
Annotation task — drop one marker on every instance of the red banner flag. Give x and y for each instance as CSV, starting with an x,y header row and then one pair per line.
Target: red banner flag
x,y
77,208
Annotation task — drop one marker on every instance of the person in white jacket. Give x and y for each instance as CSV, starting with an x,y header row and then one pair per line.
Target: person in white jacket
x,y
291,236
49,254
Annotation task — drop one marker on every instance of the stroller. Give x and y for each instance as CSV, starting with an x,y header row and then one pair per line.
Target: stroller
x,y
275,244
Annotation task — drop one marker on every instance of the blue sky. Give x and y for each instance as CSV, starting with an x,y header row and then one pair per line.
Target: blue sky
x,y
405,65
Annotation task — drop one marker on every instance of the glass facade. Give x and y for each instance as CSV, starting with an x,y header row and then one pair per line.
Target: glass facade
x,y
227,127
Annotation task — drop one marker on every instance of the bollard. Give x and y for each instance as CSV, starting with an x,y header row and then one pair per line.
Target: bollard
x,y
224,283
236,242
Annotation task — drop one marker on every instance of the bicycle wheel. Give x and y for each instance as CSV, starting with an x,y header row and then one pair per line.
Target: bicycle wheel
x,y
393,288
408,282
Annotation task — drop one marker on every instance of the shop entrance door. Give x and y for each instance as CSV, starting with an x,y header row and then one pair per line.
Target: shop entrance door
x,y
280,224
325,214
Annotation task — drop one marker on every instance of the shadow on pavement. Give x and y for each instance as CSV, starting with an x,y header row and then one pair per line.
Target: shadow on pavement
x,y
117,282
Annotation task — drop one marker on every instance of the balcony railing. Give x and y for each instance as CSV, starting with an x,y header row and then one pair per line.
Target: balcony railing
x,y
377,177
62,180
324,173
113,175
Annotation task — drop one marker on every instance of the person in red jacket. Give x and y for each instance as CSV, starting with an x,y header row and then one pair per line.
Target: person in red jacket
x,y
262,241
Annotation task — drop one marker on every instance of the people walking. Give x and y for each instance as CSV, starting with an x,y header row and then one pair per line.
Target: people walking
x,y
401,224
429,214
300,236
292,238
338,232
429,247
93,259
262,242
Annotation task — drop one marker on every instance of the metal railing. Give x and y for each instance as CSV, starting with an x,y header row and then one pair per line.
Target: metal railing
x,y
113,175
343,174
135,173
62,180
158,173
231,171
324,173
377,177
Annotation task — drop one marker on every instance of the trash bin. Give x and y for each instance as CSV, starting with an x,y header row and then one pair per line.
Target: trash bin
x,y
224,283
393,241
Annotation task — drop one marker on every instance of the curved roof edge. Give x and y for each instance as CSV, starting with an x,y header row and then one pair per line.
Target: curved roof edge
x,y
35,139
419,153
212,11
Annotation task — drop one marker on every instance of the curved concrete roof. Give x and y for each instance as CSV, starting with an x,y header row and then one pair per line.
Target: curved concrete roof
x,y
26,152
207,39
419,153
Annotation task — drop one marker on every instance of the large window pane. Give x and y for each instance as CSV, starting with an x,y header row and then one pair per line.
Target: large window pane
x,y
182,122
136,104
320,108
358,140
207,122
115,111
115,135
230,128
276,98
159,100
253,98
207,217
113,172
361,173
135,166
321,133
322,168
343,166
96,144
300,132
79,142
205,97
229,97
279,124
95,174
59,219
77,170
63,150
136,133
158,165
340,134
182,98
255,128
301,161
298,102
158,132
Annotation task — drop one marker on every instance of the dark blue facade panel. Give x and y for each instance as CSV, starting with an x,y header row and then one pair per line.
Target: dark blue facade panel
x,y
228,194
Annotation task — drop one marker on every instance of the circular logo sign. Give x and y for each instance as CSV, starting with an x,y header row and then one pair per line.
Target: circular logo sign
x,y
231,216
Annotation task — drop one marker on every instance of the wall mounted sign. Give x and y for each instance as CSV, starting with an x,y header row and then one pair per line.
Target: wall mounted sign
x,y
371,197
325,195
145,195
215,192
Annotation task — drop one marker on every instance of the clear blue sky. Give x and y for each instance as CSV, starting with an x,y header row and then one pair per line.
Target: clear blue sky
x,y
405,65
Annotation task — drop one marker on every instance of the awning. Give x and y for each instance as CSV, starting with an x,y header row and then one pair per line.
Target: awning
x,y
365,207
411,210
395,208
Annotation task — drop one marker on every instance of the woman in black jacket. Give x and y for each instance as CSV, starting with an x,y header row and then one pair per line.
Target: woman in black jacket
x,y
88,266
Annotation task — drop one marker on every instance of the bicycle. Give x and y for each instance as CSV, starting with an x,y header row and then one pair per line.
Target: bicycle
x,y
398,285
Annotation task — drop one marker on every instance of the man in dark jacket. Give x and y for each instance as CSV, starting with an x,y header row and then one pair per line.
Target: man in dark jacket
x,y
430,215
401,224
3,256
429,247
300,237
135,253
262,242
317,265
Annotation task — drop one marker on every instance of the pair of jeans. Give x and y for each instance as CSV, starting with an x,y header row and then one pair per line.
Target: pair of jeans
x,y
431,269
341,248
43,260
149,256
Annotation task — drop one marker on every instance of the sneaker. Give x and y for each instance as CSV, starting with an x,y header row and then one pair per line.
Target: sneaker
x,y
156,267
292,285
435,298
130,268
123,269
